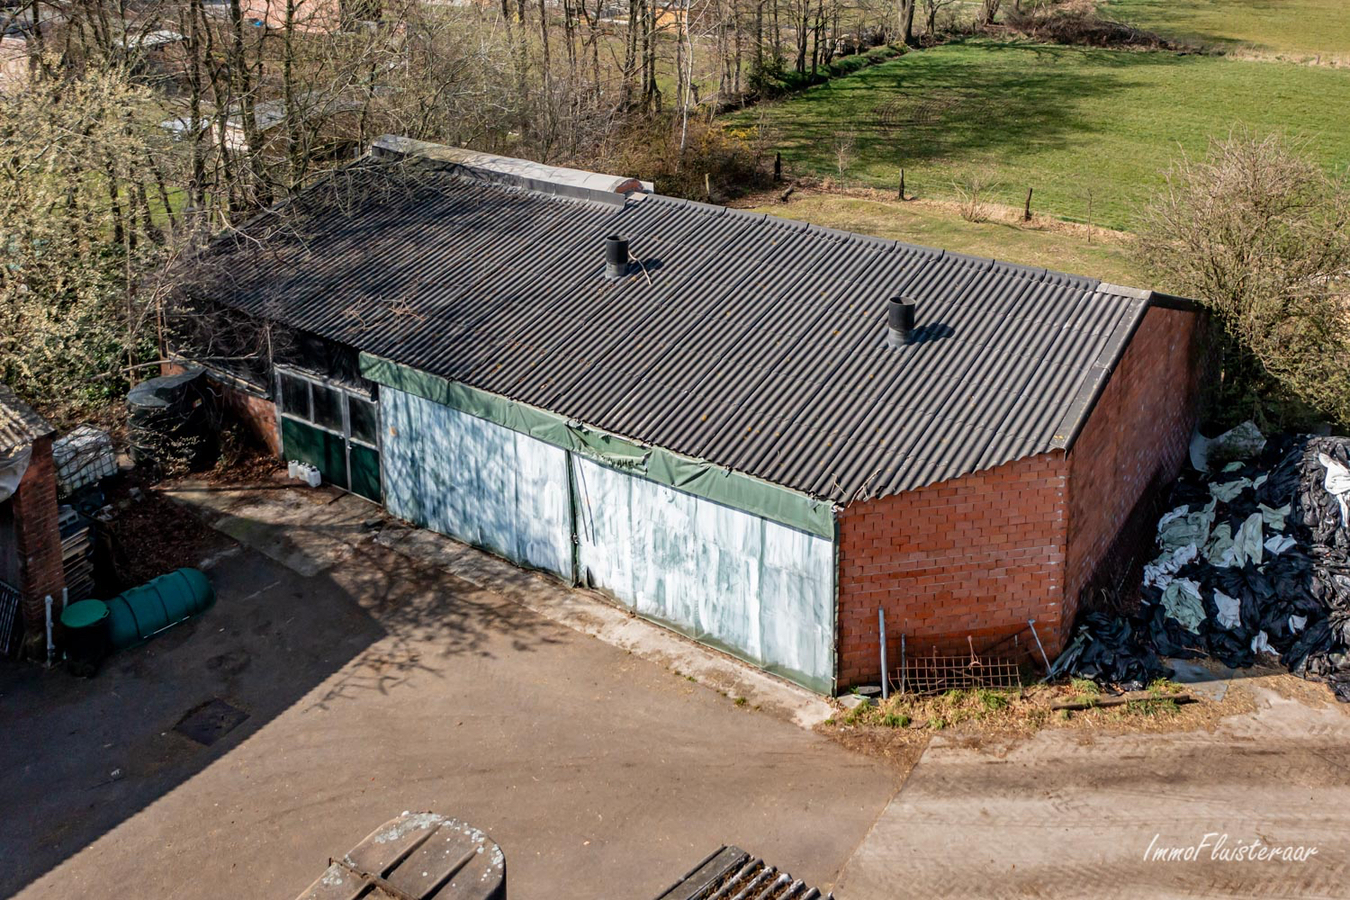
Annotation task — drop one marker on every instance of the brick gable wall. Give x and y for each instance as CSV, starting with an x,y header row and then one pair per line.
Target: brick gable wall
x,y
976,556
38,535
982,554
1129,451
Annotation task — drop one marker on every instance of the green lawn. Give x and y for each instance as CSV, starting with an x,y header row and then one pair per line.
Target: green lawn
x,y
1300,28
1072,123
935,227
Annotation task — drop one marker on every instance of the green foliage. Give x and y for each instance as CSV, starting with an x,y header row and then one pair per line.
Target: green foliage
x,y
895,720
78,233
1085,687
992,701
776,80
937,723
1152,708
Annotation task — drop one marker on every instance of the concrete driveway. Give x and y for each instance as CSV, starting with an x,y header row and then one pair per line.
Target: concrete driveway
x,y
1068,814
373,685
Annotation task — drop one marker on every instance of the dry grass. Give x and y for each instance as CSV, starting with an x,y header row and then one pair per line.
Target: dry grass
x,y
1044,241
899,729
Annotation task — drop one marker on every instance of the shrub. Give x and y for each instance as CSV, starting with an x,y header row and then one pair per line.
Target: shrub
x,y
1260,235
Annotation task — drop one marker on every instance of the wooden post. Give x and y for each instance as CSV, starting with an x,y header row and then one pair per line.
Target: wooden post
x,y
1026,214
707,186
778,167
902,184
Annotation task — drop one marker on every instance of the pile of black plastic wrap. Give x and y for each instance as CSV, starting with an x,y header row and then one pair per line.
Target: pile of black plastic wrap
x,y
1253,561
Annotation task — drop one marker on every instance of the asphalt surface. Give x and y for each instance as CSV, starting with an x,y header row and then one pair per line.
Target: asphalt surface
x,y
373,685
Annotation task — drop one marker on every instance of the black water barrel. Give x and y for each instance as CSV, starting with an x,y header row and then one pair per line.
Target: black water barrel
x,y
171,422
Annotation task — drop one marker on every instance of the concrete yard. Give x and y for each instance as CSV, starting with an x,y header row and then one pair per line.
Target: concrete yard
x,y
1069,814
374,685
385,669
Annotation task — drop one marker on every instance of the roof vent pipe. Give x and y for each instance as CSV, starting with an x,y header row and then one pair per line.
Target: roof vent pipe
x,y
900,319
616,257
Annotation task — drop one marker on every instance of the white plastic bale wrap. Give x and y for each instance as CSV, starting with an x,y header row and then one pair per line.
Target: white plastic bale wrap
x,y
483,484
760,590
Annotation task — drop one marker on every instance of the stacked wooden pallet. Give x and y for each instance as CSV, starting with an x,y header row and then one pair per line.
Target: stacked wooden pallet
x,y
77,554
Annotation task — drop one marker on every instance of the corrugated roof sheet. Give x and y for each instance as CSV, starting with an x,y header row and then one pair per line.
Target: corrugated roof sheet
x,y
749,341
19,424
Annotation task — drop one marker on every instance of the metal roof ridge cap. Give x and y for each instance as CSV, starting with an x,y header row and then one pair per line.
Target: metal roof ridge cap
x,y
1121,290
747,214
921,249
407,147
986,261
711,208
827,231
874,239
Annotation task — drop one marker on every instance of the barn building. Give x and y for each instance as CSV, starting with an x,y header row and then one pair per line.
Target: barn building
x,y
755,431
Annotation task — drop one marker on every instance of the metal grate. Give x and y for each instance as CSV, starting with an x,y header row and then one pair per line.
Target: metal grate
x,y
10,626
210,722
732,874
934,674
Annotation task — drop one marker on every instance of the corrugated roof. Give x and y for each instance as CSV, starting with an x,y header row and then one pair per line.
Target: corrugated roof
x,y
19,425
749,341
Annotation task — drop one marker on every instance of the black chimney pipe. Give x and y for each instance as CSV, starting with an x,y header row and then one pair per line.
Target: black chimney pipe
x,y
616,257
900,319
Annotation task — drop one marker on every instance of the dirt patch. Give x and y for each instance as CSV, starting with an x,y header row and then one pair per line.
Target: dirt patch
x,y
144,534
992,212
995,721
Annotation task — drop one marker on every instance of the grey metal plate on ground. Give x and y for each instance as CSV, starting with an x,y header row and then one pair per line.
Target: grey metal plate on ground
x,y
730,872
422,856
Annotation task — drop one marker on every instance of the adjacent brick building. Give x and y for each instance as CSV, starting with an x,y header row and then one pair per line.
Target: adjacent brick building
x,y
30,536
758,432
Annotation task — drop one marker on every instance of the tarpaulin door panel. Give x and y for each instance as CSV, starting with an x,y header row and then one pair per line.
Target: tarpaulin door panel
x,y
476,481
757,589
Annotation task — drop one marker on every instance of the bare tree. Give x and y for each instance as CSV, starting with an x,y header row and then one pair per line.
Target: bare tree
x,y
1260,234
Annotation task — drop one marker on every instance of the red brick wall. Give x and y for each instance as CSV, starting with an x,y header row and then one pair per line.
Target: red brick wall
x,y
39,538
1131,448
258,414
976,556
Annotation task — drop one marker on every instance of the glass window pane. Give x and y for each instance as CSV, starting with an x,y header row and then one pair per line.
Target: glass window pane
x,y
327,408
294,397
362,415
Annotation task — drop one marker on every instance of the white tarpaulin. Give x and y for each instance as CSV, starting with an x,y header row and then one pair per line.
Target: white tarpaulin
x,y
479,482
758,589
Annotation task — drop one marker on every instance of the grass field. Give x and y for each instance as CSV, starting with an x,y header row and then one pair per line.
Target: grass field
x,y
917,223
1296,28
1078,125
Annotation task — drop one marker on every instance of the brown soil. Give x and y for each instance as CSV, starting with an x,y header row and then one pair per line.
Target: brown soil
x,y
148,534
995,721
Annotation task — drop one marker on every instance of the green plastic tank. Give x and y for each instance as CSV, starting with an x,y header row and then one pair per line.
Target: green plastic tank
x,y
142,612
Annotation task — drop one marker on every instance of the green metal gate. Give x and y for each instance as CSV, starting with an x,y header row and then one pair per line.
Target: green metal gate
x,y
333,427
